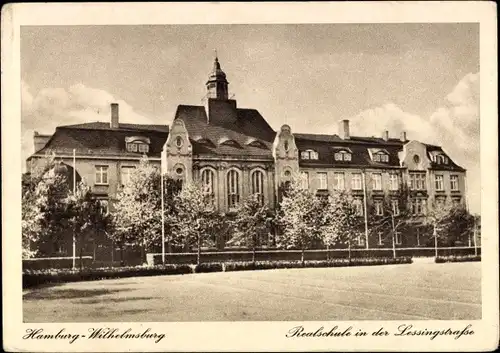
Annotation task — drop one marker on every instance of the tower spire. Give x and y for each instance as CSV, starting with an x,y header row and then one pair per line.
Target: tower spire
x,y
217,82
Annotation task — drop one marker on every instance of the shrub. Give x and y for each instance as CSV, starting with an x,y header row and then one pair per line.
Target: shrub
x,y
55,262
208,267
37,277
457,258
339,262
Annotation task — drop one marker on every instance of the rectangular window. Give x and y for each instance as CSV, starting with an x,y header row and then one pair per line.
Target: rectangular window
x,y
338,156
304,155
454,182
379,207
384,158
417,181
397,236
376,157
418,207
356,181
395,207
143,148
380,238
438,183
125,174
338,181
132,147
101,174
377,181
305,180
358,204
394,182
322,181
347,157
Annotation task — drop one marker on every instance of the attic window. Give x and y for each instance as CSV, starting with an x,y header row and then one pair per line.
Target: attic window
x,y
135,146
227,142
309,154
255,143
381,157
343,156
441,159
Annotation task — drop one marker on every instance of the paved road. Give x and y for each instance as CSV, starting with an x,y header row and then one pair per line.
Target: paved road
x,y
395,292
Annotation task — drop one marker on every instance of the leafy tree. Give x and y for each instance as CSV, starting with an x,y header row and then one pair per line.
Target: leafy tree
x,y
300,212
196,218
439,217
85,216
44,217
252,219
461,225
137,212
396,214
340,220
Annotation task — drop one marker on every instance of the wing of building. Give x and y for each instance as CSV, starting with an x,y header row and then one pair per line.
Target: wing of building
x,y
234,152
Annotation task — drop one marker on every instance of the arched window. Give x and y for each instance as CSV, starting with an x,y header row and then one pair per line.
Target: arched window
x,y
233,188
258,185
208,183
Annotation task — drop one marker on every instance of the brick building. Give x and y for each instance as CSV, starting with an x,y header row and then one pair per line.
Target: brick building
x,y
234,152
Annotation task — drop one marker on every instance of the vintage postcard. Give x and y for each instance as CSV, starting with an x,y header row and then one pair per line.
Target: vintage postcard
x,y
250,177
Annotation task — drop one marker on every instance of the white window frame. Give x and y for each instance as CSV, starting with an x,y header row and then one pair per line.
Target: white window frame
x,y
379,207
377,181
104,205
129,169
356,178
398,239
439,182
143,148
309,154
132,147
358,203
323,180
207,176
418,181
257,178
233,188
395,207
304,180
101,171
339,181
454,183
380,240
393,182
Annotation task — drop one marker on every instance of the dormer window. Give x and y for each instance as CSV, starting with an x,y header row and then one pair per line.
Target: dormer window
x,y
379,155
309,154
137,144
343,155
228,142
441,159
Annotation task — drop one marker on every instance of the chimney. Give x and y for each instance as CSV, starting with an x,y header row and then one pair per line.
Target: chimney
x,y
344,129
385,135
403,136
40,140
114,116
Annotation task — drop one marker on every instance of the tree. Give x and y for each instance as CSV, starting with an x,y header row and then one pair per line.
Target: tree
x,y
44,217
85,215
340,220
396,213
196,218
252,219
300,215
137,212
439,217
461,225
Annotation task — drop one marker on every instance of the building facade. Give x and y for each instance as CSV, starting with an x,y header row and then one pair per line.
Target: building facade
x,y
235,153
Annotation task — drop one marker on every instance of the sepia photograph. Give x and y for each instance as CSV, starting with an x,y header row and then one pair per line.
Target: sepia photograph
x,y
250,172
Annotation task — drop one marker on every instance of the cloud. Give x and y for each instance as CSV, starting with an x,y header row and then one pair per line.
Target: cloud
x,y
454,126
52,107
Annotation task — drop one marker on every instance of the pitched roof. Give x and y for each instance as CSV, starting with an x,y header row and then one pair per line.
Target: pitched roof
x,y
99,139
327,145
249,124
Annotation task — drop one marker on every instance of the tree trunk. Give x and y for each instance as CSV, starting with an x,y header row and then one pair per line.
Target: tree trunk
x,y
327,252
122,262
302,256
349,249
253,254
81,256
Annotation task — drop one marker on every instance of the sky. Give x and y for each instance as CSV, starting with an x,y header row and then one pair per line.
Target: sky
x,y
418,78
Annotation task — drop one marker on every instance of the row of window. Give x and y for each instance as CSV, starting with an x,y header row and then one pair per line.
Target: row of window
x,y
418,182
356,181
343,156
137,147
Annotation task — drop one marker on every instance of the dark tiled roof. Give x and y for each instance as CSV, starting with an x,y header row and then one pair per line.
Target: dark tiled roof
x,y
100,125
96,139
326,145
249,124
450,166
